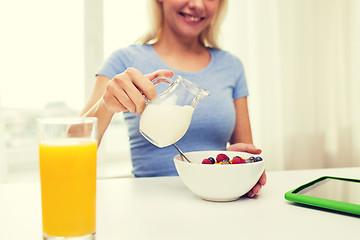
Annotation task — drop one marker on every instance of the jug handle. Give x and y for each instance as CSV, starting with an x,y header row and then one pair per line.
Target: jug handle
x,y
158,80
162,79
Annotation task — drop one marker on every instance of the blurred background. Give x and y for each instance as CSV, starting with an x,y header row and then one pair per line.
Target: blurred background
x,y
301,60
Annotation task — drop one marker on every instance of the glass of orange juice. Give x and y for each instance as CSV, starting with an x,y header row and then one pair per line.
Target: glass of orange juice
x,y
67,152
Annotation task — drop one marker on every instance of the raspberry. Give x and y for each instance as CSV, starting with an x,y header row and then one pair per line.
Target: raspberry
x,y
206,161
238,160
221,157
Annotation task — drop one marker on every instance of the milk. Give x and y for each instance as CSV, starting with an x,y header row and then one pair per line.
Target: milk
x,y
164,125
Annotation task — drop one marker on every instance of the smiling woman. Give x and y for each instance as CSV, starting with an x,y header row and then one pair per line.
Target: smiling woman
x,y
301,59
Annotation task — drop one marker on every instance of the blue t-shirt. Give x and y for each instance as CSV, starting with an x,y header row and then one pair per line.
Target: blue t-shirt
x,y
213,120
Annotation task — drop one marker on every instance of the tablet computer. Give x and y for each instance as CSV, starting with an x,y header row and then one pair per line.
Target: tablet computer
x,y
333,193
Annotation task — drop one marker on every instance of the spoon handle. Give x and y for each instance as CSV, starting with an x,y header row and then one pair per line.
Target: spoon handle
x,y
181,153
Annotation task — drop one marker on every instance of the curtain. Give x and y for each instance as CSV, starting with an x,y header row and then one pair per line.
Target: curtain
x,y
301,59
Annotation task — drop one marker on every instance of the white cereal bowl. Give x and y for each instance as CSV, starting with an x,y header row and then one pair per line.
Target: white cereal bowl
x,y
216,182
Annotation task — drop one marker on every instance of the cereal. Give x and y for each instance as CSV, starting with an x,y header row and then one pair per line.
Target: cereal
x,y
223,159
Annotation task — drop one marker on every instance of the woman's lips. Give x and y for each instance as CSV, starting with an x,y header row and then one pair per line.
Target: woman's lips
x,y
191,18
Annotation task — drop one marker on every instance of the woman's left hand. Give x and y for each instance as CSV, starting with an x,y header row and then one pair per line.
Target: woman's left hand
x,y
250,148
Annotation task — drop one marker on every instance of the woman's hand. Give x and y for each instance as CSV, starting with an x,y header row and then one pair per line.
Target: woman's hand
x,y
250,148
126,91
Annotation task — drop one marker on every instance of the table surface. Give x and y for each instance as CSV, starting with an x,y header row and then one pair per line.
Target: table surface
x,y
163,208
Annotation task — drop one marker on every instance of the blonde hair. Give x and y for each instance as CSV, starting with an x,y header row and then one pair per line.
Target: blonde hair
x,y
208,37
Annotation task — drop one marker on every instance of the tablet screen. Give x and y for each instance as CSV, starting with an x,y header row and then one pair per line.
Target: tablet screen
x,y
334,189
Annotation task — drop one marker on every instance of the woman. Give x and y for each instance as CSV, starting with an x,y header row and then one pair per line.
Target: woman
x,y
184,42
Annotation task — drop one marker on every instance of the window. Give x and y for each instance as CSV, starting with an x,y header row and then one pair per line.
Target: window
x,y
42,54
42,62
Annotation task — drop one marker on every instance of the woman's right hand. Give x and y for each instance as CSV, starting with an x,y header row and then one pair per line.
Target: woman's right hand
x,y
126,91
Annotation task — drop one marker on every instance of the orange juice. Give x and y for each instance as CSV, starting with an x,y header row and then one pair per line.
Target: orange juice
x,y
68,186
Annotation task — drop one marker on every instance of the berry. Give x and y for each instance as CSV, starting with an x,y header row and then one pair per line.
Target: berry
x,y
238,160
258,159
221,157
206,161
225,162
249,161
252,159
212,160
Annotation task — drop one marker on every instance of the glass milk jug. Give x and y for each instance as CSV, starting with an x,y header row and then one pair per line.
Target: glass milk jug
x,y
167,117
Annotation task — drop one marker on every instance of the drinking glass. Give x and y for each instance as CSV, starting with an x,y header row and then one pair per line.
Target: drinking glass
x,y
67,154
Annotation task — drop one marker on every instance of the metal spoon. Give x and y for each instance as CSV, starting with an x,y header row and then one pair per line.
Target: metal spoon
x,y
181,153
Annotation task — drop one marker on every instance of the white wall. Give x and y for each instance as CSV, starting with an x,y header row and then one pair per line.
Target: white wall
x,y
3,160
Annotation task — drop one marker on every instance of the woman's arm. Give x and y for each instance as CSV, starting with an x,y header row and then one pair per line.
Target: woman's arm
x,y
241,139
124,93
95,108
242,130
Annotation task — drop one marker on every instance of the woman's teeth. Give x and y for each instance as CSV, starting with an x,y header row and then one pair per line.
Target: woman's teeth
x,y
194,19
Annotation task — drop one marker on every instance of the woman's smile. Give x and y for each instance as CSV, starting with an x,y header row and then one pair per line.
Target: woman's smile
x,y
191,18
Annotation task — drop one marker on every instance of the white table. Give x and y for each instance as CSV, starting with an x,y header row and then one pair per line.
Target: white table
x,y
163,208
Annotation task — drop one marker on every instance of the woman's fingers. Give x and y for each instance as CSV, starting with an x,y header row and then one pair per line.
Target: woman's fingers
x,y
244,147
128,91
138,86
256,189
116,97
160,73
157,74
262,179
